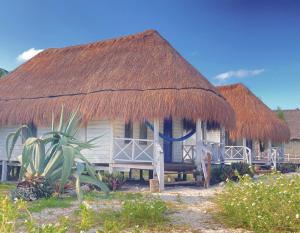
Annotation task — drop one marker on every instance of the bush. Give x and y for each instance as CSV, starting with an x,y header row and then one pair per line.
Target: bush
x,y
287,167
140,214
229,172
271,204
114,181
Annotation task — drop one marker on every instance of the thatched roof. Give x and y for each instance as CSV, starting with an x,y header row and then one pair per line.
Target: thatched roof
x,y
254,120
292,118
133,77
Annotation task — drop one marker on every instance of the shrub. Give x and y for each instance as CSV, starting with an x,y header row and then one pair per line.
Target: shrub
x,y
55,157
271,204
143,212
287,167
114,181
229,172
139,213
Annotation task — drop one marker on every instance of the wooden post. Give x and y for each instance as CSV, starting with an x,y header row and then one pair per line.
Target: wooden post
x,y
150,174
269,151
204,136
141,175
4,171
222,145
200,163
111,156
244,150
158,156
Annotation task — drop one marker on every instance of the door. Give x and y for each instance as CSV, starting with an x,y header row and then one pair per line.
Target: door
x,y
167,144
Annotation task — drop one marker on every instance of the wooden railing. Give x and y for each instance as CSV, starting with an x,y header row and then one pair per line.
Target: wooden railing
x,y
238,153
133,150
189,151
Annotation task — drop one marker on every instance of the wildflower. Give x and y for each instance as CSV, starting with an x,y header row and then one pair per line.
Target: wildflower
x,y
297,216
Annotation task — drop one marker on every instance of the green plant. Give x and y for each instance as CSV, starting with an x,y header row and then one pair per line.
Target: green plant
x,y
114,180
52,202
87,217
139,214
221,173
143,212
9,213
54,158
287,167
271,204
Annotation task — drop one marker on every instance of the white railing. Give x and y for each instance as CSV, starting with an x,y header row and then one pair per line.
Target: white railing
x,y
293,158
238,153
133,150
189,152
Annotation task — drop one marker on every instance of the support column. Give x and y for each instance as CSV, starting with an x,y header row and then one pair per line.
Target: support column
x,y
244,150
159,168
204,136
222,145
269,151
200,163
111,159
4,171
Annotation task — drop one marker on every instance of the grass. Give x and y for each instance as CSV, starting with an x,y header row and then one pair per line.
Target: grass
x,y
137,212
271,204
52,202
5,188
122,196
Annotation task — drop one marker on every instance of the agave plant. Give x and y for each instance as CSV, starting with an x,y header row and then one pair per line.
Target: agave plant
x,y
55,158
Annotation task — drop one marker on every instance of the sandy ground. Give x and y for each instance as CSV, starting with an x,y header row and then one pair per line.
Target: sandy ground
x,y
191,208
194,208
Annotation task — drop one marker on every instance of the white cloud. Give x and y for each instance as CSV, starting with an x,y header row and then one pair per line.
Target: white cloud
x,y
238,74
28,54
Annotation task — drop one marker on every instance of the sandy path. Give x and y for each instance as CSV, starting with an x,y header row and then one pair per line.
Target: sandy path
x,y
193,208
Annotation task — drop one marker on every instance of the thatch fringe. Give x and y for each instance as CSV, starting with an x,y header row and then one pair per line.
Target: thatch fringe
x,y
129,105
254,120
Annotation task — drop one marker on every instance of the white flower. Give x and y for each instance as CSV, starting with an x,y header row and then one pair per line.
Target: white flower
x,y
297,215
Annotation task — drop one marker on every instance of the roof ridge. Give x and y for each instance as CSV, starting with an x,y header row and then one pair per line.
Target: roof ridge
x,y
129,37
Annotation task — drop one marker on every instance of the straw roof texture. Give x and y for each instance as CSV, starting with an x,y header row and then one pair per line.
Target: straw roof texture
x,y
292,118
135,77
254,120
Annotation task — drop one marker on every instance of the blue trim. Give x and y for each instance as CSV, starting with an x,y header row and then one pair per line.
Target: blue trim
x,y
170,139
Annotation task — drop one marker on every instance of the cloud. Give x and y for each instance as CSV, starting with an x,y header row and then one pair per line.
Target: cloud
x,y
28,54
238,74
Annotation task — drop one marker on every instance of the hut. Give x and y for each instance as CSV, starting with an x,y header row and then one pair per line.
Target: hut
x,y
117,85
259,132
292,148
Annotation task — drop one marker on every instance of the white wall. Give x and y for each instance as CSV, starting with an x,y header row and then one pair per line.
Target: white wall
x,y
213,136
101,152
4,131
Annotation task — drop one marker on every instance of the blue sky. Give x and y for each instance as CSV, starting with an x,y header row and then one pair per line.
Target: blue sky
x,y
253,42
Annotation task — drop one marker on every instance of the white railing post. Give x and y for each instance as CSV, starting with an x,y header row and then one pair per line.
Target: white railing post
x,y
159,160
269,151
250,156
132,149
199,162
244,150
111,160
4,171
222,145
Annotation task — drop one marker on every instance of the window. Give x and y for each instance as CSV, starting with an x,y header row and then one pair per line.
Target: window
x,y
30,132
128,131
143,133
